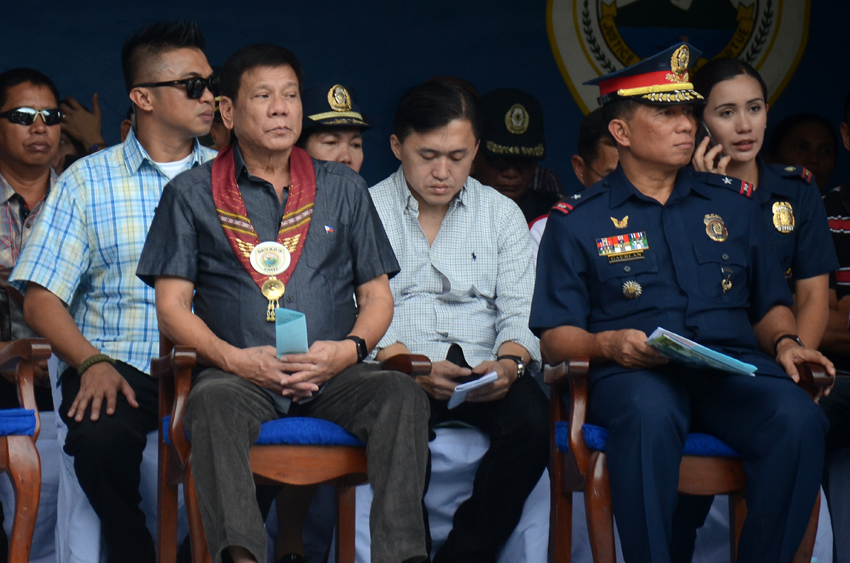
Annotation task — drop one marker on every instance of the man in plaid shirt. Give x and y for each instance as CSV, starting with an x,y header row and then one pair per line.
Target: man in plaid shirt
x,y
463,298
78,270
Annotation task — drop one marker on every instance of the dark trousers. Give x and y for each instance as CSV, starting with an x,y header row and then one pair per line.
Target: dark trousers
x,y
775,426
107,455
386,410
519,452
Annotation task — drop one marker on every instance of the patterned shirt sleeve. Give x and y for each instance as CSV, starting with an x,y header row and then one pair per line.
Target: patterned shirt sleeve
x,y
57,253
515,285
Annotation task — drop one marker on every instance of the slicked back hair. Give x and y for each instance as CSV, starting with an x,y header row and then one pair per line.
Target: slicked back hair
x,y
593,130
23,75
154,40
253,56
619,109
432,105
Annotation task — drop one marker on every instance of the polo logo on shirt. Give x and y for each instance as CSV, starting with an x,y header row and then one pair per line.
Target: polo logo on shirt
x,y
329,229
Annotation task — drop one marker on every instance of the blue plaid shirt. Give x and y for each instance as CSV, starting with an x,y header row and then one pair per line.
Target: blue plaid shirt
x,y
85,247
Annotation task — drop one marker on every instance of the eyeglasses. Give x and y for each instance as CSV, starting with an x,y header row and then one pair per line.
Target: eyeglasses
x,y
195,86
27,116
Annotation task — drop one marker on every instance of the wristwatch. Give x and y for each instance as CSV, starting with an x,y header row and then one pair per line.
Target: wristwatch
x,y
362,349
520,364
793,337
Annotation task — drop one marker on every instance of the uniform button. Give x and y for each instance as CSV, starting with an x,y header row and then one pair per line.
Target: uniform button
x,y
725,257
29,225
289,299
627,269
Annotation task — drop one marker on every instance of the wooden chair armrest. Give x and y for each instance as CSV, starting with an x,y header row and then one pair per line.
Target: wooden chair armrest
x,y
22,356
814,378
174,372
574,374
411,364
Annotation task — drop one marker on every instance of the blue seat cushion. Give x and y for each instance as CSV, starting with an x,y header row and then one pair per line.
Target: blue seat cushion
x,y
596,436
296,430
17,422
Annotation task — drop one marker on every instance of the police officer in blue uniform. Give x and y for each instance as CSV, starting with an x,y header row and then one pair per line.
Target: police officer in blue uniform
x,y
654,245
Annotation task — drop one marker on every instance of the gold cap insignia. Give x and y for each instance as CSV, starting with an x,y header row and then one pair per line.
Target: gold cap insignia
x,y
783,217
338,98
516,120
680,59
715,228
621,223
632,290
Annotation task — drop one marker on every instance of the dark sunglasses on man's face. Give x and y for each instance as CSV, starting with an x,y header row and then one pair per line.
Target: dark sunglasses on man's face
x,y
195,86
27,116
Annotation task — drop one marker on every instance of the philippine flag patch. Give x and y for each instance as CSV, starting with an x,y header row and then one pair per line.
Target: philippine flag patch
x,y
329,229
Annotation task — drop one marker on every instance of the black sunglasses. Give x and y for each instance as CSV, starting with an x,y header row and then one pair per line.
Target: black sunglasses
x,y
27,116
195,86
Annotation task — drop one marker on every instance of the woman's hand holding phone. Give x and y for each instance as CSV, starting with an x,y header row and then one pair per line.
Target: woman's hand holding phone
x,y
705,158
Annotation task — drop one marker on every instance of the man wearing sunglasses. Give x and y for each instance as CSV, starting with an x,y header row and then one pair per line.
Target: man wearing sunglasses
x,y
85,299
29,139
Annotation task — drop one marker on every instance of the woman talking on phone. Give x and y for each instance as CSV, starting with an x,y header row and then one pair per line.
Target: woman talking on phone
x,y
734,120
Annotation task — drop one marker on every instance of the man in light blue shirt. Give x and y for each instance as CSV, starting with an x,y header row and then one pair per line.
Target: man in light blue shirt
x,y
78,270
463,298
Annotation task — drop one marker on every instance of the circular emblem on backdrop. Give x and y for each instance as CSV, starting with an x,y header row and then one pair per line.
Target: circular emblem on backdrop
x,y
270,258
338,99
715,228
590,38
516,120
783,217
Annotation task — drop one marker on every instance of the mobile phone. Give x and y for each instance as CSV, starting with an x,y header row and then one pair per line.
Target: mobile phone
x,y
702,132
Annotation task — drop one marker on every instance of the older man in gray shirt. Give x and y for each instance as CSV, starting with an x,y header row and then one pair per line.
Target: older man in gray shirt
x,y
322,240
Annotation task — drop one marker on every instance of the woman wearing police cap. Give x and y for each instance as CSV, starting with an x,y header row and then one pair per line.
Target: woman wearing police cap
x,y
333,125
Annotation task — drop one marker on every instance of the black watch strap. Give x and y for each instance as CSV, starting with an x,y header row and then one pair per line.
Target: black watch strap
x,y
362,349
793,337
520,363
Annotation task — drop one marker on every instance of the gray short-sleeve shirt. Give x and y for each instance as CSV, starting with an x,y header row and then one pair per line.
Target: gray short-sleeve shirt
x,y
346,246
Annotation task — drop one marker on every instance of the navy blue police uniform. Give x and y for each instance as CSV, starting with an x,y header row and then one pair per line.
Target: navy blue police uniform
x,y
701,265
796,220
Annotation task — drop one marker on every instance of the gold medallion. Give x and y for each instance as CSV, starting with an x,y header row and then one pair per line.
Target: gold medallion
x,y
516,120
715,228
783,217
338,98
621,223
272,290
632,290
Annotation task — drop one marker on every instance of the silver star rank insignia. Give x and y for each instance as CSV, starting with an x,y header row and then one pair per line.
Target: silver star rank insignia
x,y
727,180
576,196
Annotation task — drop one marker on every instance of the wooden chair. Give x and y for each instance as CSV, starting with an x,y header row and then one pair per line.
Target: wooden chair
x,y
574,467
18,454
341,465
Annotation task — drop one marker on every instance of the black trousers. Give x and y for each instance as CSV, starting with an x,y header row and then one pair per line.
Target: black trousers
x,y
772,423
107,455
519,452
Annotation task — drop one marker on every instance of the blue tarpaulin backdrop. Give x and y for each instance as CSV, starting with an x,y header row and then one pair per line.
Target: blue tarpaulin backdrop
x,y
380,47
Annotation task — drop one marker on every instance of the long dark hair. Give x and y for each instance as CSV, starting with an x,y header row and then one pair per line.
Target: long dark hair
x,y
714,72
